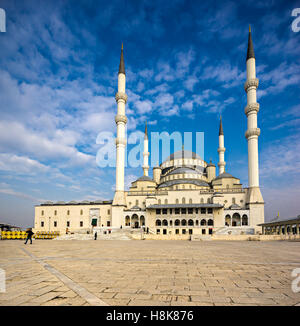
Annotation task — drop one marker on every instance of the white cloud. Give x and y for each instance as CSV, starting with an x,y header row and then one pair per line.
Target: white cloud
x,y
21,164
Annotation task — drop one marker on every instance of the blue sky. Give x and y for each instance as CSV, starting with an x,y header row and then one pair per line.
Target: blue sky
x,y
185,65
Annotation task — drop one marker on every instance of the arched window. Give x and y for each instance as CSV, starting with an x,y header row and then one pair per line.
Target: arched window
x,y
190,222
245,220
203,222
177,201
137,203
127,220
55,212
42,213
158,223
166,201
233,200
227,186
81,212
202,201
159,202
165,223
183,200
177,222
208,200
197,222
68,212
210,222
183,222
190,201
171,222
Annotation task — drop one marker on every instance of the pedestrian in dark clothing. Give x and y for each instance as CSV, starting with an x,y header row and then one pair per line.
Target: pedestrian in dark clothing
x,y
29,235
95,236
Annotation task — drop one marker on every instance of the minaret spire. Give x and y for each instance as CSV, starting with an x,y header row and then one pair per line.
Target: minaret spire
x,y
221,149
146,131
122,64
221,127
250,51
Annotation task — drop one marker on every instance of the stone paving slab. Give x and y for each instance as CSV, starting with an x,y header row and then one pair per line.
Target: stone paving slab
x,y
151,273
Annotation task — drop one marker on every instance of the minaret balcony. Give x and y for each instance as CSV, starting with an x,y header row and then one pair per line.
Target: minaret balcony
x,y
251,108
251,83
121,118
120,141
121,96
252,132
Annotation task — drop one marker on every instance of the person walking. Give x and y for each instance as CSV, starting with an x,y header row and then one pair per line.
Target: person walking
x,y
29,236
95,236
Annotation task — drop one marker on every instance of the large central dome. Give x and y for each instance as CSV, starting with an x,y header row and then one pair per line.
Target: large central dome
x,y
183,158
183,154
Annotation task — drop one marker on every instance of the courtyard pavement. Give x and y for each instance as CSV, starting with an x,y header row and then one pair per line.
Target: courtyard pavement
x,y
149,273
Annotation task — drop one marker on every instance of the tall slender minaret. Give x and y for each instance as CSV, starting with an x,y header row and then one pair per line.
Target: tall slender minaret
x,y
146,153
121,120
252,133
221,149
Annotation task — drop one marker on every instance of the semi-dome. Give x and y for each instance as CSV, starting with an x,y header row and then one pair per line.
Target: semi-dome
x,y
182,170
183,181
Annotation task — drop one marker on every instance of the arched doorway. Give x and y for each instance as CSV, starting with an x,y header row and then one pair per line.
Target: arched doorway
x,y
134,221
142,220
127,220
236,219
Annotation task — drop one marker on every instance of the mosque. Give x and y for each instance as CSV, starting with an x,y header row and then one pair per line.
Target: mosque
x,y
185,197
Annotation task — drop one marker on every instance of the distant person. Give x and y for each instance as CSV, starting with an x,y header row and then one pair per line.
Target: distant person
x,y
29,236
95,236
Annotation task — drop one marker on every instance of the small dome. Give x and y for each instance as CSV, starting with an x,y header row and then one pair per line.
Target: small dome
x,y
224,175
144,178
235,206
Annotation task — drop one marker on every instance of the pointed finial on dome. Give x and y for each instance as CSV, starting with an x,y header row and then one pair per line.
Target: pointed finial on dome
x,y
250,51
122,64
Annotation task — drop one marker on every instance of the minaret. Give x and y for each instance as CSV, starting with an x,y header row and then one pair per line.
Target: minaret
x,y
252,133
221,149
121,120
146,153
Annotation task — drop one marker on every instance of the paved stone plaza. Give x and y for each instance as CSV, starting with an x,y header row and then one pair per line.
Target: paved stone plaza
x,y
149,272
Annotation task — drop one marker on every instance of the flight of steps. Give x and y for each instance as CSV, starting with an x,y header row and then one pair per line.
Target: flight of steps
x,y
116,233
235,230
200,237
